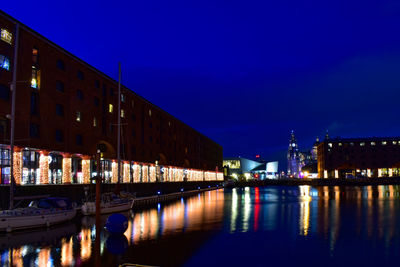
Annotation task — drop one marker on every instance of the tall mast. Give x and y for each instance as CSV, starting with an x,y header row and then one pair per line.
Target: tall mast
x,y
119,123
13,96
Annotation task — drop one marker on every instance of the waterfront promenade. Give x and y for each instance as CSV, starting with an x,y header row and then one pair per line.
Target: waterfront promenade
x,y
322,182
76,192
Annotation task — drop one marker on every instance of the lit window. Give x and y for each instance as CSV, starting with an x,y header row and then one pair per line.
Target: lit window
x,y
373,143
35,55
35,82
394,142
351,144
6,36
362,144
383,143
330,144
122,98
94,122
122,113
4,62
150,112
340,144
110,108
78,116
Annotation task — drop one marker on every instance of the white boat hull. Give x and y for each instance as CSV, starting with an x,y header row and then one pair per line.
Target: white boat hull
x,y
24,221
89,208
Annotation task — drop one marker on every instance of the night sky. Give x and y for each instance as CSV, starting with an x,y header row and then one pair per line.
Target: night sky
x,y
244,73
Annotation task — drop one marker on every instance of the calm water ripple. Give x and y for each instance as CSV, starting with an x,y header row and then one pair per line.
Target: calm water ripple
x,y
262,226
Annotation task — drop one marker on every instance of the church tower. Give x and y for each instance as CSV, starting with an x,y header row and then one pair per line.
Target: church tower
x,y
293,157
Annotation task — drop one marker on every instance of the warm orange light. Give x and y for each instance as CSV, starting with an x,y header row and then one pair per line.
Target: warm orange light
x,y
86,244
86,171
44,168
67,252
18,167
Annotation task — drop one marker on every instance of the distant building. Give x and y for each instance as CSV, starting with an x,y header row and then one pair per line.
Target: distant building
x,y
359,157
251,169
293,157
301,163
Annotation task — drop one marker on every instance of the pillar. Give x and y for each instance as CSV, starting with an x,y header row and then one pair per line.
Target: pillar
x,y
17,157
126,172
114,170
145,173
152,173
86,169
66,168
44,167
136,173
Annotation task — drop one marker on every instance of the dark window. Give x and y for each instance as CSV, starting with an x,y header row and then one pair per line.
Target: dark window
x,y
33,130
133,117
79,140
111,92
60,86
104,90
34,103
96,101
60,64
133,132
80,75
150,125
59,110
59,136
79,94
111,127
97,83
150,139
3,124
133,150
4,92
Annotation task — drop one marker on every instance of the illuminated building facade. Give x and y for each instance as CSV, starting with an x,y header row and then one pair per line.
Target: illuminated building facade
x,y
301,164
66,110
359,157
293,157
251,169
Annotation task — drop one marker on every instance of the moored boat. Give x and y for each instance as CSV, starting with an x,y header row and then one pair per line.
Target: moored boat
x,y
110,203
40,213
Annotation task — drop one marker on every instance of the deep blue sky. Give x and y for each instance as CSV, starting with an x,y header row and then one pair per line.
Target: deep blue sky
x,y
245,73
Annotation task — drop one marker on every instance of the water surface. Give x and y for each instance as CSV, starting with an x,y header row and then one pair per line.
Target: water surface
x,y
262,226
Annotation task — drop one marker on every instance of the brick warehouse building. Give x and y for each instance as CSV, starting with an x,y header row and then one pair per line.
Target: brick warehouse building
x,y
359,157
67,109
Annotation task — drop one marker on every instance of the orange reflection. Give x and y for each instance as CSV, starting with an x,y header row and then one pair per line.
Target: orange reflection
x,y
44,257
17,257
86,244
67,252
186,215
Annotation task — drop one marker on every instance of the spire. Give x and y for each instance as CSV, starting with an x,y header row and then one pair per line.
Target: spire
x,y
327,135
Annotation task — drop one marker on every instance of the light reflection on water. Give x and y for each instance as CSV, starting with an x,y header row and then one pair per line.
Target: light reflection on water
x,y
63,246
315,218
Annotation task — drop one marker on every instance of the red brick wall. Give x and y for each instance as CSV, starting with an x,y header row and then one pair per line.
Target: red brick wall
x,y
170,137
